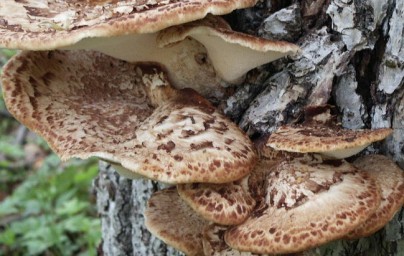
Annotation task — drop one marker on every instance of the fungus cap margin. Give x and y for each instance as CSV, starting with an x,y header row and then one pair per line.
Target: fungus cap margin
x,y
170,219
33,25
81,113
391,181
306,205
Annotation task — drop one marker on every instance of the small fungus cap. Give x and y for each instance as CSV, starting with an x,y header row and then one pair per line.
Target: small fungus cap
x,y
214,244
306,204
321,134
226,204
46,25
332,142
173,221
87,104
391,181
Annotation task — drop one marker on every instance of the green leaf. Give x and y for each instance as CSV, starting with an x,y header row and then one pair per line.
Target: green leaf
x,y
8,206
11,150
7,237
72,207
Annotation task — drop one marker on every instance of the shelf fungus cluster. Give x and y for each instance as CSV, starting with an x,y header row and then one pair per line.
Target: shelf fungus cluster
x,y
117,80
127,82
205,54
294,199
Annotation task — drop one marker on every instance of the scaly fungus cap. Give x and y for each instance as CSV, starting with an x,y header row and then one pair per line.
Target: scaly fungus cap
x,y
88,104
226,204
128,30
46,25
214,244
306,204
391,181
320,134
173,221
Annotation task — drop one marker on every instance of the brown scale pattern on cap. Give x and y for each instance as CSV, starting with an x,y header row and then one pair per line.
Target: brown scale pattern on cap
x,y
320,203
204,146
319,138
51,24
87,104
82,103
214,244
226,204
391,181
173,221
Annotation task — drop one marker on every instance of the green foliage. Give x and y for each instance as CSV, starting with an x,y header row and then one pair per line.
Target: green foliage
x,y
46,209
52,212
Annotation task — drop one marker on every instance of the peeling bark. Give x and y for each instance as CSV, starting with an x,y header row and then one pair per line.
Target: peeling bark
x,y
353,57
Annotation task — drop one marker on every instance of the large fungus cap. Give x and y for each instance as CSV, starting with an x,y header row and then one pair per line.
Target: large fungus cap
x,y
226,204
306,204
173,221
45,25
391,181
320,134
88,104
129,30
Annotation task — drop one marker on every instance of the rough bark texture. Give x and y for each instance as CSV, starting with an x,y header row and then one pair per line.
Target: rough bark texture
x,y
353,57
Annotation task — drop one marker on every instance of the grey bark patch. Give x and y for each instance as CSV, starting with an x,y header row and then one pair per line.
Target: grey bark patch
x,y
284,24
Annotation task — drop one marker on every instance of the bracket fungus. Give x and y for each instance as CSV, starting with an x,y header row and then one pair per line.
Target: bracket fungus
x,y
87,104
169,218
306,204
391,181
214,244
226,204
47,25
321,134
194,56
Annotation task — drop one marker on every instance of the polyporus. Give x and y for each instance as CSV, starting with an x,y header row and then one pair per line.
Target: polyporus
x,y
173,221
232,53
214,244
391,181
46,25
305,204
196,55
226,204
87,104
232,203
321,134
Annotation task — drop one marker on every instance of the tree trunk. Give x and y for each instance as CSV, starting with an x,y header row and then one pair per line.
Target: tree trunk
x,y
352,57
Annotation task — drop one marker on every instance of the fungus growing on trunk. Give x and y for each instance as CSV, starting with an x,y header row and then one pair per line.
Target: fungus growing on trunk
x,y
47,25
214,244
88,104
321,134
173,221
226,204
195,56
306,204
391,181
